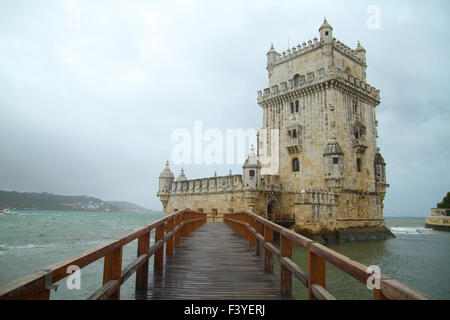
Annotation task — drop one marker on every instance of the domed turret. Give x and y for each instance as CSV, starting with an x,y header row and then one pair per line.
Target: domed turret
x,y
380,168
165,179
333,147
326,31
272,55
361,52
251,170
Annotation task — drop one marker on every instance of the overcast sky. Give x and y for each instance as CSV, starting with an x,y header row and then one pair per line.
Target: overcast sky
x,y
91,91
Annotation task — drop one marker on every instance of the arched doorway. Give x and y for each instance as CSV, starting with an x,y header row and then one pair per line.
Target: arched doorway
x,y
273,209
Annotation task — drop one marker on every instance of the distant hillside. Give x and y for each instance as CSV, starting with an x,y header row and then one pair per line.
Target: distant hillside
x,y
130,207
49,201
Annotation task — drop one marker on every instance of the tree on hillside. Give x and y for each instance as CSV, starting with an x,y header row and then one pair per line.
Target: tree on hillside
x,y
445,202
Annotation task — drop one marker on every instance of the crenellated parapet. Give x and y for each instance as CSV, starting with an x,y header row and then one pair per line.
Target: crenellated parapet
x,y
318,80
212,184
311,45
228,183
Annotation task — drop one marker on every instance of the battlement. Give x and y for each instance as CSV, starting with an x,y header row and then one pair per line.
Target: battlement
x,y
316,77
223,184
311,45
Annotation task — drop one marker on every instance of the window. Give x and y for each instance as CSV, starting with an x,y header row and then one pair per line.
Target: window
x,y
355,106
296,80
295,165
326,33
358,165
292,107
252,173
335,160
296,106
294,133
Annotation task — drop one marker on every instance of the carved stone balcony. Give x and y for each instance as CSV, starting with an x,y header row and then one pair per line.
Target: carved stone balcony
x,y
360,145
294,145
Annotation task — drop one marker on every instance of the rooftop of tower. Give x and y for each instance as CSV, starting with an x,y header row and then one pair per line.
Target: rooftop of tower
x,y
275,60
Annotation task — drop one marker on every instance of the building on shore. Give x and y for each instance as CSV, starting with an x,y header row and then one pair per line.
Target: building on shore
x,y
439,219
317,163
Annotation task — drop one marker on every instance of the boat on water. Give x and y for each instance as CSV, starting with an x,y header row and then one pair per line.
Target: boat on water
x,y
8,212
439,219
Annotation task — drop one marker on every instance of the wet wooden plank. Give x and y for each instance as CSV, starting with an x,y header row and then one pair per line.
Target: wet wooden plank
x,y
214,262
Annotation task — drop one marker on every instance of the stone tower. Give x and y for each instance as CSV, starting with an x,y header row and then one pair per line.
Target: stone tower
x,y
331,172
317,160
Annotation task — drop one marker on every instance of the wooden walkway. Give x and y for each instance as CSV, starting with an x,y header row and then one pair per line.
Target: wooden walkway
x,y
213,262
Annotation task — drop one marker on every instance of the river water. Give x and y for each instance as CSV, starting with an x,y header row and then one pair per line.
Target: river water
x,y
32,240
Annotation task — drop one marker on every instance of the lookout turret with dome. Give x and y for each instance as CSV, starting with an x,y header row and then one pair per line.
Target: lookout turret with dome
x,y
165,184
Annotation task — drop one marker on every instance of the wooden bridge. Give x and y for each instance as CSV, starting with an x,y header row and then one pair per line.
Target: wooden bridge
x,y
198,260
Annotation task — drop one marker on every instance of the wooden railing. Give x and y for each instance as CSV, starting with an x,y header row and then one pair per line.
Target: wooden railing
x,y
259,232
168,232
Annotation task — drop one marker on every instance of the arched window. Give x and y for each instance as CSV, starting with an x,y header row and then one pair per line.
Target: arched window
x,y
295,165
296,106
292,107
252,173
358,165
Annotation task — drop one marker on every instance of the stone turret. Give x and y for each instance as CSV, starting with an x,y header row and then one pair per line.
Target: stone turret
x,y
361,52
334,164
326,32
272,56
380,168
165,184
251,171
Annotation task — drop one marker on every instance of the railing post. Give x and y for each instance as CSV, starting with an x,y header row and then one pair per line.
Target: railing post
x,y
378,295
252,238
259,230
142,272
169,244
184,230
112,270
178,233
285,274
268,260
246,231
159,254
189,225
316,271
